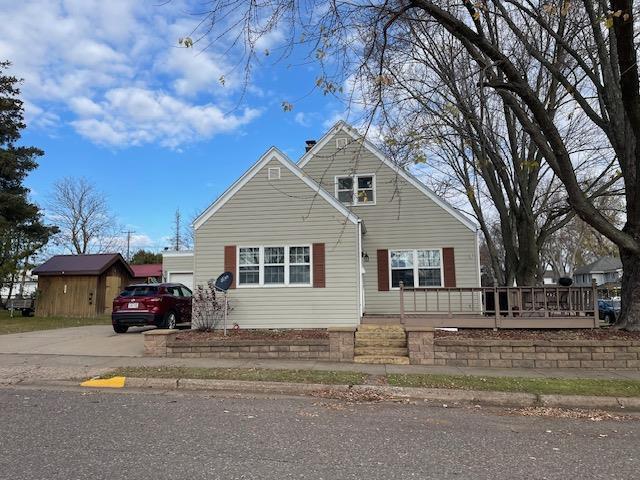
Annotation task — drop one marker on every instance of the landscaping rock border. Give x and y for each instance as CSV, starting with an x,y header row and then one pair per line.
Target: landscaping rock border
x,y
596,354
338,347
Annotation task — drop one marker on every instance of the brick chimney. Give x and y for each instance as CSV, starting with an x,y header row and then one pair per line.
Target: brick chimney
x,y
310,145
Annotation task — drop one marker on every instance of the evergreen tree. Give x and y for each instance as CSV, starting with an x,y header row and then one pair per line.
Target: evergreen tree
x,y
22,228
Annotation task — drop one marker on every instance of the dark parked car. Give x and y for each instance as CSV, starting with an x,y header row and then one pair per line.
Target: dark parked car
x,y
608,310
165,305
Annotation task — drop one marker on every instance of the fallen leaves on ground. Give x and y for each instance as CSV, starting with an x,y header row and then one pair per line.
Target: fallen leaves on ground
x,y
353,395
575,414
248,334
533,334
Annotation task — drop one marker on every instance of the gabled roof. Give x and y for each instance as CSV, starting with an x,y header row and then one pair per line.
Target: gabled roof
x,y
95,264
272,154
349,130
601,265
150,270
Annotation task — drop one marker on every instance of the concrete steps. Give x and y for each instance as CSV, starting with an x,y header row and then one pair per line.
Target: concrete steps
x,y
399,343
384,350
381,344
382,359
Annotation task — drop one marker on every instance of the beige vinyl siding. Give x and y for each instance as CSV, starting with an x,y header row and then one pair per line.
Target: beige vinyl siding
x,y
181,263
279,213
402,218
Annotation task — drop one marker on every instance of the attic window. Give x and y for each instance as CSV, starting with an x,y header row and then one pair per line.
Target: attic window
x,y
341,143
274,173
356,189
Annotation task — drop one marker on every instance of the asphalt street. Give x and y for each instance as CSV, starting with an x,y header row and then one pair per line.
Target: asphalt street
x,y
76,434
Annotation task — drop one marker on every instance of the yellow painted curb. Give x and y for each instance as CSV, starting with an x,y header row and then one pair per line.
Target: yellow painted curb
x,y
113,382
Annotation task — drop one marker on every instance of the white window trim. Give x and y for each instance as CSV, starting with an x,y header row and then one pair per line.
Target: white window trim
x,y
415,267
354,201
275,175
287,264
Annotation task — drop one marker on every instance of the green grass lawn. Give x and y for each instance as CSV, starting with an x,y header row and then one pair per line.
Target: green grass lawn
x,y
249,374
540,386
19,324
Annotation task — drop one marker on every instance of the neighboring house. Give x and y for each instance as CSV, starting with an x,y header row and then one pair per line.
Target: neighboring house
x,y
151,273
177,267
324,242
549,278
605,271
26,288
80,285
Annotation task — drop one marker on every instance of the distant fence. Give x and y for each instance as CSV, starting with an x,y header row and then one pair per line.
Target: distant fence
x,y
501,307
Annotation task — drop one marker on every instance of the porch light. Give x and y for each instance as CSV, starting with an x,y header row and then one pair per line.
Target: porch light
x,y
365,257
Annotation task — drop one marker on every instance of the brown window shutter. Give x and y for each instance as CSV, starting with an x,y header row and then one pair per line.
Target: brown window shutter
x,y
230,262
383,270
449,264
319,271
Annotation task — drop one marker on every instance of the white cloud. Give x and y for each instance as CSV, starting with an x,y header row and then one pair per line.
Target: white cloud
x,y
85,107
302,119
112,70
141,241
334,118
135,116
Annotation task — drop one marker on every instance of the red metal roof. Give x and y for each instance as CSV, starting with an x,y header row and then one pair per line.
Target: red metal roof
x,y
144,271
95,264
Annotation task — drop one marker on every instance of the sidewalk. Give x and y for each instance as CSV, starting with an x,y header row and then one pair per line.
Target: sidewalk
x,y
15,368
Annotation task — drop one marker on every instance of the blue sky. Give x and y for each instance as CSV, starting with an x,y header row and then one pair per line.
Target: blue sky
x,y
110,96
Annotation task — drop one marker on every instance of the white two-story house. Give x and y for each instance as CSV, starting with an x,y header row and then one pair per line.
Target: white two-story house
x,y
605,271
328,239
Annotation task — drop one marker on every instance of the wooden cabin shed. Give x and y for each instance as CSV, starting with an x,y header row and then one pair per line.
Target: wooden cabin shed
x,y
80,285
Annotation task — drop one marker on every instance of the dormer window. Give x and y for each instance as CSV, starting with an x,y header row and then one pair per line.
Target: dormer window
x,y
356,189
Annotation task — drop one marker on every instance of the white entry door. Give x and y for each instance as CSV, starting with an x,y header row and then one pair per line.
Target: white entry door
x,y
185,278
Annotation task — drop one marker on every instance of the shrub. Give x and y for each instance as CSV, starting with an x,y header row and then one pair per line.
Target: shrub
x,y
208,307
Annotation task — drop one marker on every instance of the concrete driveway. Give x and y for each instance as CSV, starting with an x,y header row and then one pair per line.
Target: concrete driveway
x,y
95,340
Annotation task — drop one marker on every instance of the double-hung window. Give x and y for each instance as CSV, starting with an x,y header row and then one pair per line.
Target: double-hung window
x,y
274,266
249,266
299,265
356,189
416,268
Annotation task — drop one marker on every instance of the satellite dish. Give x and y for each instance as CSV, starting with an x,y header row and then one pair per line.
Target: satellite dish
x,y
565,281
224,281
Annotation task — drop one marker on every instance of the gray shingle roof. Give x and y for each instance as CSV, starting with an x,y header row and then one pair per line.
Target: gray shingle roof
x,y
603,264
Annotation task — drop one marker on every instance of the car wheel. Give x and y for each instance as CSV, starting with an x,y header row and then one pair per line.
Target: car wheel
x,y
170,321
120,328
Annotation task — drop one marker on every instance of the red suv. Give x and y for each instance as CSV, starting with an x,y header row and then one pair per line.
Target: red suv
x,y
165,305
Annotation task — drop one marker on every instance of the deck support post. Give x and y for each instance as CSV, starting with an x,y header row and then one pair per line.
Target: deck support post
x,y
402,302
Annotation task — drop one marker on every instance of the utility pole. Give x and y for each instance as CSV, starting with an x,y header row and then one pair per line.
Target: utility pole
x,y
129,232
178,227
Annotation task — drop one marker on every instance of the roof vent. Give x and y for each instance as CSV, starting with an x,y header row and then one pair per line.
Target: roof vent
x,y
310,145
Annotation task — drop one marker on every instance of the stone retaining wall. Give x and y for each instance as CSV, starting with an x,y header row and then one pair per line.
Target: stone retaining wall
x,y
466,352
337,347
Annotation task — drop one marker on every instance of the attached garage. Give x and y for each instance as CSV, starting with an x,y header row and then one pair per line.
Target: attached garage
x,y
177,267
185,279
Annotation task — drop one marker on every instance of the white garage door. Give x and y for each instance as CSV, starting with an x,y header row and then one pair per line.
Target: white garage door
x,y
184,278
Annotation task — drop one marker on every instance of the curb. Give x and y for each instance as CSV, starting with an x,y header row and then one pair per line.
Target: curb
x,y
439,395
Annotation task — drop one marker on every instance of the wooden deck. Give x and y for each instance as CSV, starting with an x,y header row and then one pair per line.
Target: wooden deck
x,y
482,321
494,307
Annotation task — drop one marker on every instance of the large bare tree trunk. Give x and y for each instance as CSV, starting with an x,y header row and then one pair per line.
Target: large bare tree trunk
x,y
630,298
